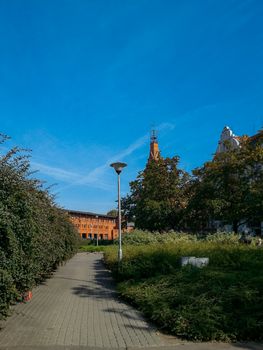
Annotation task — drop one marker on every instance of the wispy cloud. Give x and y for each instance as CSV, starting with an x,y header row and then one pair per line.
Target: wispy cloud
x,y
95,175
69,177
57,173
95,178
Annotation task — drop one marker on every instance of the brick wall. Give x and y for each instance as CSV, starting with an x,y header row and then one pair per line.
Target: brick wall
x,y
89,225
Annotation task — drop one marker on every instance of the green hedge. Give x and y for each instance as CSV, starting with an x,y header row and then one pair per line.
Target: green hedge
x,y
35,235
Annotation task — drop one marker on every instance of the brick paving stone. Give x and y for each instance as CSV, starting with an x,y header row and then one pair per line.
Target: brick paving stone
x,y
78,306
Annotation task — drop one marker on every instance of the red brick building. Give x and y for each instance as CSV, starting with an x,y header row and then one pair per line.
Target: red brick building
x,y
92,225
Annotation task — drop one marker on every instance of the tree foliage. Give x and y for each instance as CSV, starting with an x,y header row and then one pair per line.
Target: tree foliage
x,y
229,188
113,213
35,235
158,196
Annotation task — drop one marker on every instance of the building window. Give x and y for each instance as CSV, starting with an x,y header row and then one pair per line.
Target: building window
x,y
106,236
84,236
101,236
90,235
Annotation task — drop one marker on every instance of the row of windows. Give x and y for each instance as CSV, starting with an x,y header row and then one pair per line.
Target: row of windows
x,y
93,219
91,226
94,226
94,236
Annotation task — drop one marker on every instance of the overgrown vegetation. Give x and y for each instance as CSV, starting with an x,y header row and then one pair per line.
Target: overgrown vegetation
x,y
223,301
35,235
140,237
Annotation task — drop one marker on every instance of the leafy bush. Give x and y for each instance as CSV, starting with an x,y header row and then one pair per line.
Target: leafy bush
x,y
223,301
7,291
35,235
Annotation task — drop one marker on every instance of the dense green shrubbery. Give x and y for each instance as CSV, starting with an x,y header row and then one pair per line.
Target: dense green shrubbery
x,y
35,235
223,301
139,237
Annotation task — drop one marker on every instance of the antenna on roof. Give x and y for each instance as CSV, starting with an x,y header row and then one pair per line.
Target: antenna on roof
x,y
153,134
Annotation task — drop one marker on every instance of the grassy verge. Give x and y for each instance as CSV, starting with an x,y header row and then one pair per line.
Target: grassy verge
x,y
223,301
92,248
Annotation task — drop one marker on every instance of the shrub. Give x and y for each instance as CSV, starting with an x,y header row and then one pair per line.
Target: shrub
x,y
7,291
35,235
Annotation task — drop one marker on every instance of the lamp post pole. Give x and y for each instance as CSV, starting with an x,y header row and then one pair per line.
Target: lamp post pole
x,y
97,222
118,168
119,219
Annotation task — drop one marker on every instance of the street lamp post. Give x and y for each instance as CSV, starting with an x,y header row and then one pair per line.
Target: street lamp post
x,y
97,222
118,168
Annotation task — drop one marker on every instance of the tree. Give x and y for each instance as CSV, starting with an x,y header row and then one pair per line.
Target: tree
x,y
229,188
113,213
158,196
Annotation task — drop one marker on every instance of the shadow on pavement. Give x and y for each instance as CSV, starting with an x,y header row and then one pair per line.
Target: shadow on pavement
x,y
123,312
100,285
248,346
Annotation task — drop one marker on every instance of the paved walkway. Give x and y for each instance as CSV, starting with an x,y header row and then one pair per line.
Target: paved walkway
x,y
78,309
78,306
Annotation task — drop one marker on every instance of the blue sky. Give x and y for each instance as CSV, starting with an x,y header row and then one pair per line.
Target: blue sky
x,y
82,82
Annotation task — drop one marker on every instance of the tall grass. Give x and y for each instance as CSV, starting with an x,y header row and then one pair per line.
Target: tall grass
x,y
223,301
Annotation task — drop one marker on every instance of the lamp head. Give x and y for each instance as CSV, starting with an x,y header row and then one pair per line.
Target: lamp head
x,y
118,167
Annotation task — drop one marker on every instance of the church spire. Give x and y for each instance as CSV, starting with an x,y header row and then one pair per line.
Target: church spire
x,y
154,148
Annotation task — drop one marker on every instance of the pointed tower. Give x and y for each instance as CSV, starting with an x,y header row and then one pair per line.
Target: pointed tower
x,y
154,148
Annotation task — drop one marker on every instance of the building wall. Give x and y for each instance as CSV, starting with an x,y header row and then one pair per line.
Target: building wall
x,y
90,225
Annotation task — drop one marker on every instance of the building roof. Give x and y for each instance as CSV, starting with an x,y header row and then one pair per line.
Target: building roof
x,y
130,224
257,138
87,213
